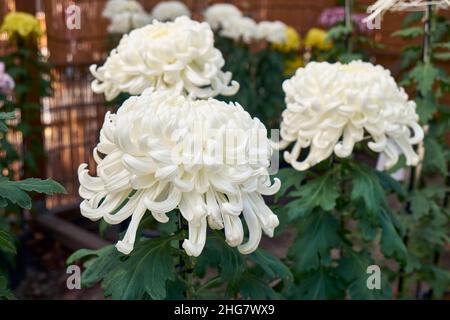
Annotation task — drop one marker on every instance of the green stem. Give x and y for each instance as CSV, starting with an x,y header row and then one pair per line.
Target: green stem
x,y
348,24
186,263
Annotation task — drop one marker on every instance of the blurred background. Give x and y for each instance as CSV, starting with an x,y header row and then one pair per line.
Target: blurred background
x,y
72,116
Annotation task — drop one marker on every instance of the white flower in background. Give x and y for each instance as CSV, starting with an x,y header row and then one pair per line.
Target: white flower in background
x,y
170,10
272,31
330,107
239,29
381,6
178,55
124,22
125,15
219,13
164,151
115,7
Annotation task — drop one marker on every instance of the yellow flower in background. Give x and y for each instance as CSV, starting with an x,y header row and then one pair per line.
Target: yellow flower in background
x,y
291,65
292,41
21,24
317,38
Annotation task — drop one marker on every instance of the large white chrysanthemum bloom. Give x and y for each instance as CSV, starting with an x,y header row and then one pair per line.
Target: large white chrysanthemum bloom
x,y
163,151
272,31
239,29
381,6
170,10
178,55
125,15
331,107
217,14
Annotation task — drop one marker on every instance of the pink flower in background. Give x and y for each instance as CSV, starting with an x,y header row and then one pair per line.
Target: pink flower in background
x,y
6,82
332,16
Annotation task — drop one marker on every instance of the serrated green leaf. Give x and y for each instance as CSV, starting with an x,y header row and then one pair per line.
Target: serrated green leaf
x,y
320,284
145,271
391,243
14,195
317,235
252,287
424,75
320,192
434,156
47,186
411,32
7,242
367,188
420,205
272,266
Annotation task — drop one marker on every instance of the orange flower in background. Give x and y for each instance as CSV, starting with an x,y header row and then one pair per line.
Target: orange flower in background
x,y
21,24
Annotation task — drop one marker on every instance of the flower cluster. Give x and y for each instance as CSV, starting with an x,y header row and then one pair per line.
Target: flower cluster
x,y
178,55
332,16
219,13
125,15
274,32
6,82
165,151
170,10
331,106
239,29
317,38
21,24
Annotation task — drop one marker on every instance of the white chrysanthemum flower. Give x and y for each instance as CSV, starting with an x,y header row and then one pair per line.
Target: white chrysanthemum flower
x,y
272,31
239,29
381,6
178,55
330,107
170,10
125,15
219,13
163,151
124,22
115,7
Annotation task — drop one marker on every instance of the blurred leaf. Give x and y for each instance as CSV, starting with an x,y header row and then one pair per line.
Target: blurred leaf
x,y
367,188
408,33
320,284
7,242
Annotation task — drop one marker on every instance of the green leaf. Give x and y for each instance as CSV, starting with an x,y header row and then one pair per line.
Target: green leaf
x,y
434,156
338,32
391,243
317,235
7,115
252,287
353,268
320,284
271,265
390,184
411,32
7,242
412,18
14,195
81,254
424,74
320,192
5,293
290,179
420,205
146,271
47,186
442,56
367,188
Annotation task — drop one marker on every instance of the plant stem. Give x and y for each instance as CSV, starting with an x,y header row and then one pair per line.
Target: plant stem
x,y
186,262
414,178
348,24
